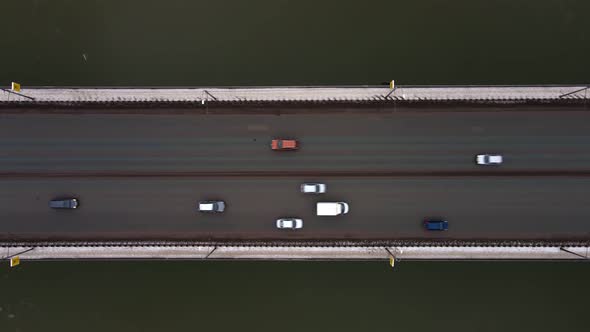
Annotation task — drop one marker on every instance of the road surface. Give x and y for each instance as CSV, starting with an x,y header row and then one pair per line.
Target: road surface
x,y
529,141
380,208
92,157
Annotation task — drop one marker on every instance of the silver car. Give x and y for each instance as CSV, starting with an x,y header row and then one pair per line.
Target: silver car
x,y
489,159
313,188
289,223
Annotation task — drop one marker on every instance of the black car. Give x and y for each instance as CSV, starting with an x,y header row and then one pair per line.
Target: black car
x,y
65,203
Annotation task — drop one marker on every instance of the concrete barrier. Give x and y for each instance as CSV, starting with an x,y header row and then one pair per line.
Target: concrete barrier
x,y
296,253
245,95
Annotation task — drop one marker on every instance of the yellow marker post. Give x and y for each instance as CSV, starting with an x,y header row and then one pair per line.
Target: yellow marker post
x,y
392,84
14,261
15,87
391,261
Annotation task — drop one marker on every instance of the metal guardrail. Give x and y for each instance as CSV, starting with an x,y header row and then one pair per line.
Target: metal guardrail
x,y
282,243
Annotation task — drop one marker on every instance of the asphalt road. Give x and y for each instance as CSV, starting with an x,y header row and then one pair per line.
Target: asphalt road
x,y
79,150
428,141
380,208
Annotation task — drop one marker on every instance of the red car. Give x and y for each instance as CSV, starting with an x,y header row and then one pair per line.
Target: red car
x,y
284,144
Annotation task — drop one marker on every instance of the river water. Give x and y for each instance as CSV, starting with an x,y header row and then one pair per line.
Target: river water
x,y
283,42
287,42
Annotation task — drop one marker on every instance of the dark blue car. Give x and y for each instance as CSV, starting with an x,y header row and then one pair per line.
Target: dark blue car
x,y
436,225
65,203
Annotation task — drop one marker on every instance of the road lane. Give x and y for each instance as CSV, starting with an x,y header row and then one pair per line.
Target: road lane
x,y
428,141
381,208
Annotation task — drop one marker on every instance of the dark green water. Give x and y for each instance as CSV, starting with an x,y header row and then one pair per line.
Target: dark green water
x,y
295,296
285,43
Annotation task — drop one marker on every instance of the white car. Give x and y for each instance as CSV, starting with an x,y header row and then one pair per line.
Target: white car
x,y
313,188
331,208
489,159
211,206
289,223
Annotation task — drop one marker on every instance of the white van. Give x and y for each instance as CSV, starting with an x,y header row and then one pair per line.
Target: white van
x,y
331,208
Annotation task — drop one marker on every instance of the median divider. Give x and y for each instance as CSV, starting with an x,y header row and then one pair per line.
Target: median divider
x,y
294,173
